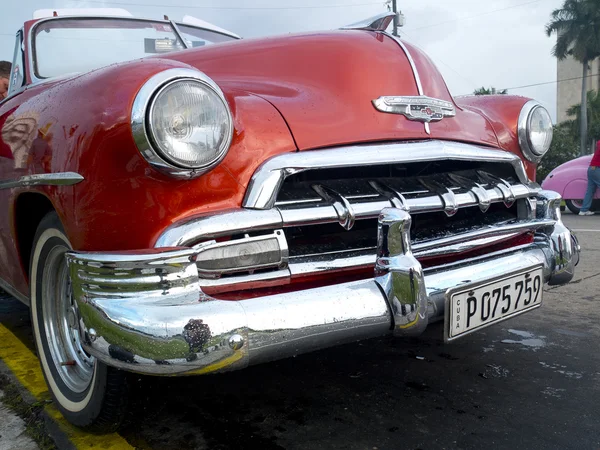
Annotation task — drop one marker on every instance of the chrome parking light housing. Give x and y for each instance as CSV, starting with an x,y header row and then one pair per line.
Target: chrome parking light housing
x,y
162,148
534,130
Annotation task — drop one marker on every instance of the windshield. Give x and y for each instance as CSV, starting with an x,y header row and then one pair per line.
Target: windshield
x,y
65,46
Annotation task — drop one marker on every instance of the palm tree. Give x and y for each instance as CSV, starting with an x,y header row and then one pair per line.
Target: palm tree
x,y
488,91
592,113
577,25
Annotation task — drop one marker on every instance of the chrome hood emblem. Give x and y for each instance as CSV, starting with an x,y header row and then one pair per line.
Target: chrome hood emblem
x,y
420,108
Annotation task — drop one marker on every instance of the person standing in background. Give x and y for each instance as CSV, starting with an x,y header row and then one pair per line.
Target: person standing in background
x,y
5,67
593,183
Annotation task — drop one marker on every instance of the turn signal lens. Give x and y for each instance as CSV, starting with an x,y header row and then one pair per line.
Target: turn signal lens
x,y
243,254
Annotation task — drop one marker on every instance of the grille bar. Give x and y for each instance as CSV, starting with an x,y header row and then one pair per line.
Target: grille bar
x,y
366,207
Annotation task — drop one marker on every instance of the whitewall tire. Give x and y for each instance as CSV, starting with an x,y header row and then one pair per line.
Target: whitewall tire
x,y
88,393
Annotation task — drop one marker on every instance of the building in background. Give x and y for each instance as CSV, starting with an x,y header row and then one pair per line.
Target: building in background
x,y
568,93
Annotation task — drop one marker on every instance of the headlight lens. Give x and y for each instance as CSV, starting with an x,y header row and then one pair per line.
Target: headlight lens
x,y
190,124
535,131
540,130
181,122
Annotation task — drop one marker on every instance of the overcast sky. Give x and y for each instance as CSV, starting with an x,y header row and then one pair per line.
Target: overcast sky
x,y
498,43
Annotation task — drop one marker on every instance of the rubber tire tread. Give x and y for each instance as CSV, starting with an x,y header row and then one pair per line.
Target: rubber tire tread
x,y
574,209
114,403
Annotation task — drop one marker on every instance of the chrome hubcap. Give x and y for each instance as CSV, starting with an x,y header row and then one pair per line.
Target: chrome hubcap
x,y
61,323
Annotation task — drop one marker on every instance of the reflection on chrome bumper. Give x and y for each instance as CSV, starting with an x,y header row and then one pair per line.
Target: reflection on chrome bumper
x,y
145,312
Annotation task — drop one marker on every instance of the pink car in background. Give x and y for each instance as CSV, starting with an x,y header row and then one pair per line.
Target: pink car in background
x,y
570,181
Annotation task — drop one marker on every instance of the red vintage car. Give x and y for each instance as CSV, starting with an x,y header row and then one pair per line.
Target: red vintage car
x,y
178,201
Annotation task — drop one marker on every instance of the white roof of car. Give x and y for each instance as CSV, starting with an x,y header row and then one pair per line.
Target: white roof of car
x,y
118,12
190,20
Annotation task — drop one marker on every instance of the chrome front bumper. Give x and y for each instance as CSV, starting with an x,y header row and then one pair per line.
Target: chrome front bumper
x,y
144,311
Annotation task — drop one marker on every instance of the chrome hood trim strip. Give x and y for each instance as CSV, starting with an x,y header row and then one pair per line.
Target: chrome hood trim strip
x,y
44,179
413,66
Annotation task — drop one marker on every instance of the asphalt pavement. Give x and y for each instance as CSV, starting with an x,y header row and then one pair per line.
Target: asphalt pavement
x,y
530,383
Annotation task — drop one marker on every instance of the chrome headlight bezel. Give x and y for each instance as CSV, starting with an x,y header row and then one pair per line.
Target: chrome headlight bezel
x,y
141,128
524,132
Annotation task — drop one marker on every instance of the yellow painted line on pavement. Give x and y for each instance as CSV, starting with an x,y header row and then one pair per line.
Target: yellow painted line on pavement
x,y
218,365
26,368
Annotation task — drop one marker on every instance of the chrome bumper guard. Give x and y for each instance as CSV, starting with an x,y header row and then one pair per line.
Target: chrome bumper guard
x,y
145,312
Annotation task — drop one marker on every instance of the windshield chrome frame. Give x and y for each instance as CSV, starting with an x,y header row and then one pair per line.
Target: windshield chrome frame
x,y
11,90
31,60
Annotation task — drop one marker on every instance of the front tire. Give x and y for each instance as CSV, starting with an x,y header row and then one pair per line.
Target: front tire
x,y
88,393
574,205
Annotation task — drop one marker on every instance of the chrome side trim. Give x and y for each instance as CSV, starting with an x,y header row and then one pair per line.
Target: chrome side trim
x,y
141,130
43,179
379,22
268,178
12,291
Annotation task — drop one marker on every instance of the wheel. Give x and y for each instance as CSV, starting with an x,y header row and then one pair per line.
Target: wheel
x,y
574,205
88,393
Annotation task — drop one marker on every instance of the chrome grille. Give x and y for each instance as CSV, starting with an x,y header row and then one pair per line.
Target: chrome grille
x,y
349,200
460,197
330,224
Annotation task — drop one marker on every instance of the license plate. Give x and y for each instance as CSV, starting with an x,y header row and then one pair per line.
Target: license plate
x,y
473,307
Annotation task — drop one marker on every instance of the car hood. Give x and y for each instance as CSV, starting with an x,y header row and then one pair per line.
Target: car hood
x,y
323,85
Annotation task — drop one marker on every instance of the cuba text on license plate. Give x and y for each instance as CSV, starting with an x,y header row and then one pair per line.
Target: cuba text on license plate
x,y
477,306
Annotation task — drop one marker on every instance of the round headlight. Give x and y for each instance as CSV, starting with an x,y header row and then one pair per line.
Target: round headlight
x,y
190,124
535,131
181,122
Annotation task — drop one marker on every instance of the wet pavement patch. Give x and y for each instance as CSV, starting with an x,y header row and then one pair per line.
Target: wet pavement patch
x,y
529,339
